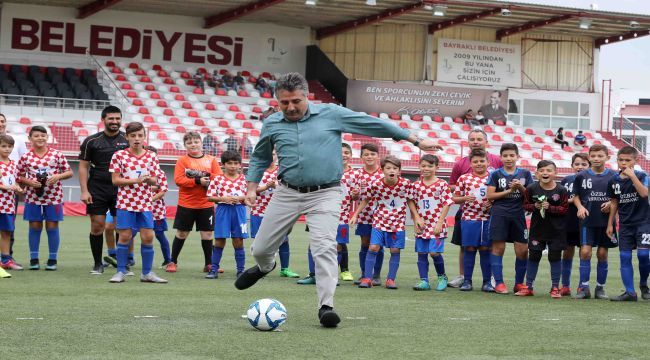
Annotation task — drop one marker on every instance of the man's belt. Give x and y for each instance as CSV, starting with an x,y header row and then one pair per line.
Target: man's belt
x,y
308,189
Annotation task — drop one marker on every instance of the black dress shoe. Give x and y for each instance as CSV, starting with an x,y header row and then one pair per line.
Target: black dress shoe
x,y
250,276
328,317
626,296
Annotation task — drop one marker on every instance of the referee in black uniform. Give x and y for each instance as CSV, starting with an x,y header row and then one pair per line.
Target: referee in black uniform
x,y
97,190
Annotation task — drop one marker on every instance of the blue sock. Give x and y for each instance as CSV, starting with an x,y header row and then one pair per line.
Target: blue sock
x,y
520,270
468,264
531,273
240,259
601,273
53,241
131,257
146,252
34,239
371,257
496,262
627,271
310,261
585,272
439,264
644,266
284,255
4,258
122,257
217,253
363,252
393,265
486,266
566,264
556,270
112,252
164,246
378,264
423,266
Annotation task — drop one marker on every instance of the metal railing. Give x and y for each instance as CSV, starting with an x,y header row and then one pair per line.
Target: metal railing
x,y
106,81
44,102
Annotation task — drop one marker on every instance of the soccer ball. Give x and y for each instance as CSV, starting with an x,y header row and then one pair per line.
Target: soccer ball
x,y
266,314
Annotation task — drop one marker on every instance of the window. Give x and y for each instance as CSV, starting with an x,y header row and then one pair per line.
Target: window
x,y
537,107
534,121
565,108
564,122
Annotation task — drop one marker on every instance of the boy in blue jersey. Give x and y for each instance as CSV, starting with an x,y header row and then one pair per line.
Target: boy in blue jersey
x,y
506,187
590,197
579,162
628,191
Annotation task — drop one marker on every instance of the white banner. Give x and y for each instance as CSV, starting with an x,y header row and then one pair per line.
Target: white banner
x,y
479,63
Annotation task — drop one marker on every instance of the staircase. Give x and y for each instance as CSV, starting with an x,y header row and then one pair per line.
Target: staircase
x,y
321,92
642,160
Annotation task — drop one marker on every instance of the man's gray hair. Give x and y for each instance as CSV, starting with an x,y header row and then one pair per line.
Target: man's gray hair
x,y
477,130
292,82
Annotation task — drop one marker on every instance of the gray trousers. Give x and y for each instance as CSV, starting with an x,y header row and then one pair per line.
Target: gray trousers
x,y
321,209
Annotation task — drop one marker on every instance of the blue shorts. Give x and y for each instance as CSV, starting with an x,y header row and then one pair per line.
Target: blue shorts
x,y
7,222
597,237
508,228
632,237
109,218
429,245
393,240
134,220
256,221
35,212
363,230
230,222
160,225
476,233
343,234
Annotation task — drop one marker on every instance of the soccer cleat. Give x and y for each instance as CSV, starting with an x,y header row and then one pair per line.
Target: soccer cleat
x,y
467,286
423,285
565,291
307,280
11,265
34,264
207,268
151,277
583,293
442,283
600,293
220,271
131,262
456,282
525,291
97,270
556,293
129,272
118,277
365,283
170,268
358,281
346,276
376,281
212,275
111,261
626,296
328,317
487,287
51,265
164,264
645,293
250,276
286,272
501,289
4,274
390,284
518,287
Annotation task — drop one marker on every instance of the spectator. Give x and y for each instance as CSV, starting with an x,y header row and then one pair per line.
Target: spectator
x,y
228,82
198,80
246,148
211,145
470,119
480,118
262,86
239,80
580,139
232,142
215,80
494,111
559,138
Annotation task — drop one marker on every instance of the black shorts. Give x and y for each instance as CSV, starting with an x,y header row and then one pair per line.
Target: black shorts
x,y
597,237
456,237
186,218
631,237
104,198
553,245
510,229
573,238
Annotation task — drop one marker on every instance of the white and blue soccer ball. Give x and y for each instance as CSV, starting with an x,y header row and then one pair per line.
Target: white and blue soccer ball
x,y
266,314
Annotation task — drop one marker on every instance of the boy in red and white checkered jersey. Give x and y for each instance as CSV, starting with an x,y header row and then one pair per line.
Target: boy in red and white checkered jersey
x,y
264,194
160,213
41,170
134,171
432,197
471,191
228,191
370,172
8,189
391,194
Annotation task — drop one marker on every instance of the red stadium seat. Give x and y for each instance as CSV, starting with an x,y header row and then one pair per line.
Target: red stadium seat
x,y
149,119
193,113
145,79
347,137
169,81
568,134
438,119
497,137
150,87
445,127
245,73
110,63
526,146
588,135
224,124
464,143
116,70
131,94
168,146
198,91
395,116
199,122
156,67
509,130
549,132
255,132
425,126
458,120
154,127
517,138
210,107
597,142
174,121
407,149
488,129
75,123
162,73
252,80
310,96
530,132
186,105
524,162
27,121
537,156
242,93
179,97
403,125
273,103
161,136
126,86
221,92
137,102
233,108
442,142
143,111
466,127
205,130
547,147
266,95
500,123
181,129
133,66
432,134
168,112
154,96
415,157
240,116
450,151
174,89
417,117
374,114
82,132
454,136
120,78
557,157
256,109
539,140
139,72
185,75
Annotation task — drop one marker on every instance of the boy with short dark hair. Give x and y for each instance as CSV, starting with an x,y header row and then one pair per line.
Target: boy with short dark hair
x,y
8,189
506,188
41,171
549,203
628,191
228,191
590,189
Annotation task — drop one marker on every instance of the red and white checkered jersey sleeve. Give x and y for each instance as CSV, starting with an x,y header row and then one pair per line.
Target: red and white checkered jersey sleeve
x,y
214,187
115,166
349,182
7,199
159,207
365,216
63,165
21,166
264,198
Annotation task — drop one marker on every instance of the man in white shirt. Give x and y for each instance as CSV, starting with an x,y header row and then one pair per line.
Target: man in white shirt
x,y
494,111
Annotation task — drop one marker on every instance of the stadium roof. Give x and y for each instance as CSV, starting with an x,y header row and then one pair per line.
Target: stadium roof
x,y
329,17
